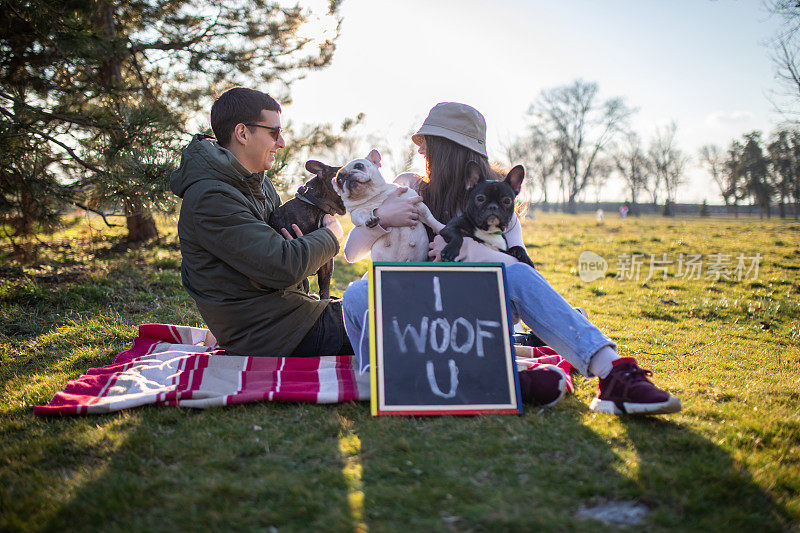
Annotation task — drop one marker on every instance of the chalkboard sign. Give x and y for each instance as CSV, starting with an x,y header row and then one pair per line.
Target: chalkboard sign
x,y
441,340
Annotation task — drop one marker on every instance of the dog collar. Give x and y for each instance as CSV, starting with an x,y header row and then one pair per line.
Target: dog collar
x,y
300,196
304,199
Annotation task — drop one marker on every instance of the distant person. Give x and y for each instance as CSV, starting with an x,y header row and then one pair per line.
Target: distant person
x,y
600,215
453,135
246,278
623,210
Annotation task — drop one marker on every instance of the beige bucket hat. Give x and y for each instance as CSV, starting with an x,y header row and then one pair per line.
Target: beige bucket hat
x,y
459,123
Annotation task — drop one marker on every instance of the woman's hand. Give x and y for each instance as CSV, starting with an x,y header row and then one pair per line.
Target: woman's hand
x,y
439,243
333,224
398,211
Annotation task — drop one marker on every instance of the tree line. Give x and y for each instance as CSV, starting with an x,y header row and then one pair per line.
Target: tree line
x,y
767,172
577,141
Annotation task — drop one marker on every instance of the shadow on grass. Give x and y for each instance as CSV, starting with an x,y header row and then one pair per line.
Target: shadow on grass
x,y
244,468
486,473
692,483
535,472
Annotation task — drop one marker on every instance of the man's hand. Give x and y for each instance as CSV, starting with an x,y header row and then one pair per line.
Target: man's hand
x,y
332,223
288,236
438,245
396,211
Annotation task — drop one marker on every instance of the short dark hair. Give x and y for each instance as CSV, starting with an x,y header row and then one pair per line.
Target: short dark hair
x,y
238,106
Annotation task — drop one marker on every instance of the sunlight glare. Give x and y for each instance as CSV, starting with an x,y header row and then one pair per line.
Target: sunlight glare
x,y
350,454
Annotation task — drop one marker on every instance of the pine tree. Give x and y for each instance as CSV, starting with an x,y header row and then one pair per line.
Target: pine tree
x,y
794,189
756,172
95,94
734,176
784,168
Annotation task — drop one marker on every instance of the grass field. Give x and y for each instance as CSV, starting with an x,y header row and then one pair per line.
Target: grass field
x,y
730,461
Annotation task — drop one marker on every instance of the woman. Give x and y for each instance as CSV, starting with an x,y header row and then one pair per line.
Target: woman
x,y
452,135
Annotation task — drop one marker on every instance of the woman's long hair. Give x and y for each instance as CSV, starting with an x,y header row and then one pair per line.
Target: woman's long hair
x,y
444,190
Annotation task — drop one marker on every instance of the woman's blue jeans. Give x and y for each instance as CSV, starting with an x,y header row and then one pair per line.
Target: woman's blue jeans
x,y
539,306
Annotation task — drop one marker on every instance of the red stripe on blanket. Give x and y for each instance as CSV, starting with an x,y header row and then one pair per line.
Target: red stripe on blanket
x,y
176,336
348,390
188,379
141,346
264,364
257,382
78,394
160,332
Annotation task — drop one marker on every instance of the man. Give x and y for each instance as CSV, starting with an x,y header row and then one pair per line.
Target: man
x,y
244,276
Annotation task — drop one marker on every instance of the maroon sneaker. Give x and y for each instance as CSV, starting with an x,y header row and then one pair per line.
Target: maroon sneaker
x,y
626,390
543,385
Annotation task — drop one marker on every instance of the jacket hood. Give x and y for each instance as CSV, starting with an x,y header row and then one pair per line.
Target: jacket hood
x,y
204,159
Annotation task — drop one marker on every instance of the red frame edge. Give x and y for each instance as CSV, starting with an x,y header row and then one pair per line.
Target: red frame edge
x,y
511,411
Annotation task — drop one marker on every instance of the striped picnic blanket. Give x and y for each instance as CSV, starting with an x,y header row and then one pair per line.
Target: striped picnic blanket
x,y
183,366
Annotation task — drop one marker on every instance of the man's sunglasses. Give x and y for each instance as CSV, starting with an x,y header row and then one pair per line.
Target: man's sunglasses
x,y
275,132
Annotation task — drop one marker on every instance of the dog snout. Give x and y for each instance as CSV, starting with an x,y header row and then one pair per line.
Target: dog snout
x,y
492,209
348,181
340,207
340,179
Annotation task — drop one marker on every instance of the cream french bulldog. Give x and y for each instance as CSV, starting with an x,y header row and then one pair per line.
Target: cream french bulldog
x,y
362,189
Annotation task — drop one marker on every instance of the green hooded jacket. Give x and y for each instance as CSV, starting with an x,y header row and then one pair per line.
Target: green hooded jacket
x,y
244,276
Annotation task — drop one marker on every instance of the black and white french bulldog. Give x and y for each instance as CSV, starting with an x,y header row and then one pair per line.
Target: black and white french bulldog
x,y
362,188
489,210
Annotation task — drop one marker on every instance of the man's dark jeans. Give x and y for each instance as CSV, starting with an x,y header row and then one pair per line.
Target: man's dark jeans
x,y
326,336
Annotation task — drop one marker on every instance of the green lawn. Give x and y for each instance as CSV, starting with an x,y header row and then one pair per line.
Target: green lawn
x,y
728,348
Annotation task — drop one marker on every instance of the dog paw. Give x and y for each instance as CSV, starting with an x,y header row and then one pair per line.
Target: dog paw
x,y
449,254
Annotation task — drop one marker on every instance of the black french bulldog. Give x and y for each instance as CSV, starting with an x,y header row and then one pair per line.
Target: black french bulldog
x,y
312,201
490,207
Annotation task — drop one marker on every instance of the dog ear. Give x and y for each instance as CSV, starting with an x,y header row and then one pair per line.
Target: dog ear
x,y
473,174
515,177
375,157
315,167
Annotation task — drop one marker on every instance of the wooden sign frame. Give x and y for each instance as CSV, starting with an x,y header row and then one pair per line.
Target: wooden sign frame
x,y
378,351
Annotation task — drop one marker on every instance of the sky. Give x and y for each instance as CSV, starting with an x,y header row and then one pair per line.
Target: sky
x,y
704,64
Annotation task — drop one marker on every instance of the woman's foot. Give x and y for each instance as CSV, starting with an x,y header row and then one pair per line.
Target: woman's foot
x,y
544,385
626,390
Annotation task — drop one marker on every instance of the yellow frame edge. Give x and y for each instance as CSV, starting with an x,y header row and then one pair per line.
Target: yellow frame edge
x,y
373,349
